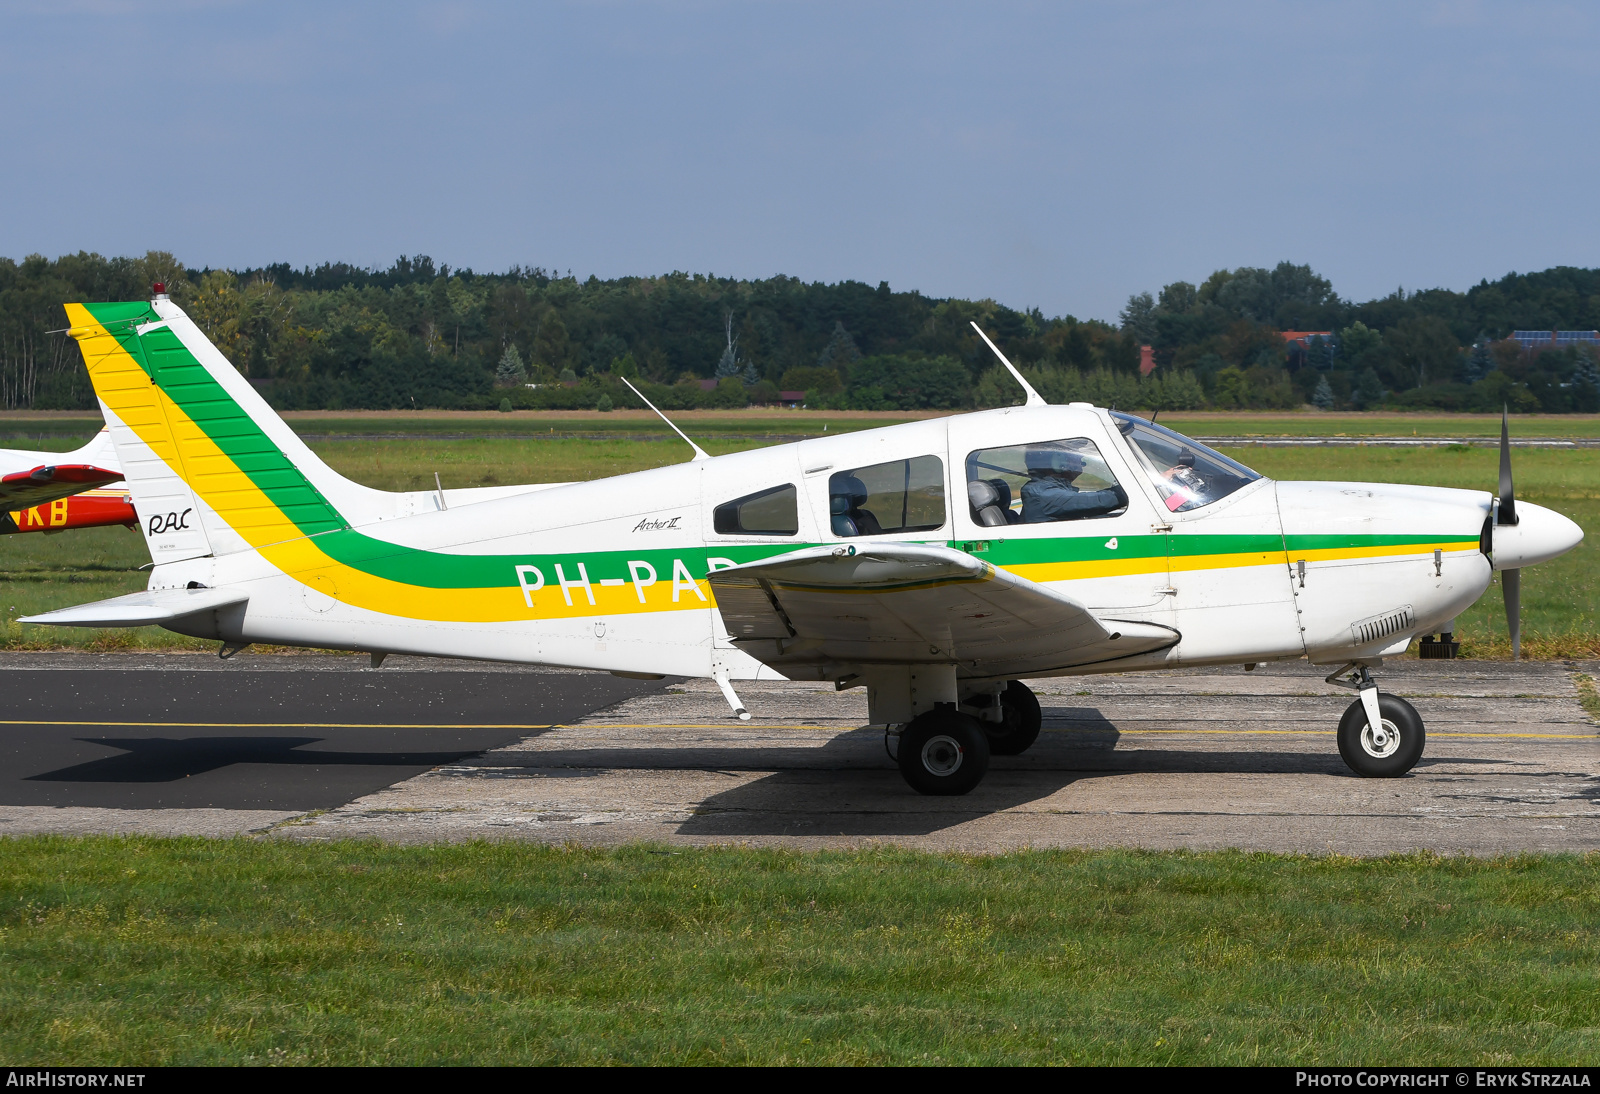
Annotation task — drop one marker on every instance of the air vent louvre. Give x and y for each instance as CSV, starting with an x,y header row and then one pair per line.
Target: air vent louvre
x,y
1370,630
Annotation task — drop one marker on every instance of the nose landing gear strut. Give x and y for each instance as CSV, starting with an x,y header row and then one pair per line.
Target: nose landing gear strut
x,y
1380,736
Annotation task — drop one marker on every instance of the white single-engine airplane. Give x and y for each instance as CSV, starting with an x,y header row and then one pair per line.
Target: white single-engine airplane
x,y
936,564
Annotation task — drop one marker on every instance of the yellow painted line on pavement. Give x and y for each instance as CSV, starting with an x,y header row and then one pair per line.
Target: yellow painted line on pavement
x,y
691,725
1529,736
1319,732
275,725
1198,732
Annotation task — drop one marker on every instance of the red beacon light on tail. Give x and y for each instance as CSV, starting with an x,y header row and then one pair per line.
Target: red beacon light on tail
x,y
159,288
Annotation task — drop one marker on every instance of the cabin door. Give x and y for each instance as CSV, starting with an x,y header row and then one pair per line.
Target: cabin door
x,y
1062,506
1229,597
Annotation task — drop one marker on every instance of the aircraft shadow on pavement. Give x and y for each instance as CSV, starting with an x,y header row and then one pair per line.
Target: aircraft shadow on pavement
x,y
167,759
850,787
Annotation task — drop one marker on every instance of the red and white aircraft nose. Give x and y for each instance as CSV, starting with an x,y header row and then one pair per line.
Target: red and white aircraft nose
x,y
1539,535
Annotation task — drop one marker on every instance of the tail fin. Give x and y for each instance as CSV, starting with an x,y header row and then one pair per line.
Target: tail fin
x,y
99,452
212,469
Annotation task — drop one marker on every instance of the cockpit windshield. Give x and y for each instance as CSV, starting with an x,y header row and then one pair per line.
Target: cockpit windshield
x,y
1186,473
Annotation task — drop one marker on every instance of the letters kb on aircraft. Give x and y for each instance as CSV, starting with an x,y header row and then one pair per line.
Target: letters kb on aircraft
x,y
53,491
937,564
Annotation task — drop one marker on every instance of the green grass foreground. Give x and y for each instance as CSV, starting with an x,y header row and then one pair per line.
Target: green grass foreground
x,y
147,951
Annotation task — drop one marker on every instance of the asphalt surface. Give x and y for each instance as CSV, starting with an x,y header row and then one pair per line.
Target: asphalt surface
x,y
1198,759
285,734
322,748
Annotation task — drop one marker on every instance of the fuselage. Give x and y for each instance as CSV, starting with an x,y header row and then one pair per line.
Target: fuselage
x,y
611,574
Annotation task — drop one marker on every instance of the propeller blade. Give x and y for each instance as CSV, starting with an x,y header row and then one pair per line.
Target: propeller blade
x,y
1508,497
1511,589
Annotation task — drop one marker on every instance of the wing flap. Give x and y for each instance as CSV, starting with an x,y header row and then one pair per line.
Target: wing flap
x,y
750,611
905,603
140,609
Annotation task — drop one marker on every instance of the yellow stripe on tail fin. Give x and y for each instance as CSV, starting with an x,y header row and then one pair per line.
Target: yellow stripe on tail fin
x,y
142,434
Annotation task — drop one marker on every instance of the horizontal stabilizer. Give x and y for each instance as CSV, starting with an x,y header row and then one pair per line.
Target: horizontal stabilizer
x,y
140,609
42,485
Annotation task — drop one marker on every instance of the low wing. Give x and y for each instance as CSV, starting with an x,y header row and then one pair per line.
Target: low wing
x,y
140,609
829,608
52,482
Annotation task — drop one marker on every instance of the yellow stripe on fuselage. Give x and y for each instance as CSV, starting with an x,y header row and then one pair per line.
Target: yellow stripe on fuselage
x,y
1157,564
1341,553
1083,569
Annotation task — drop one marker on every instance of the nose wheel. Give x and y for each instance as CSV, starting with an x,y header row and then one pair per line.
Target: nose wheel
x,y
1380,736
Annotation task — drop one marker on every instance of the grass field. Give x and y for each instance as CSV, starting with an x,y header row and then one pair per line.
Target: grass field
x,y
1222,423
140,951
1559,599
22,429
55,430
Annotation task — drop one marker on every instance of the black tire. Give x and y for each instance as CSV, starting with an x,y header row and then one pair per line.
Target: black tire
x,y
1019,708
943,752
1375,759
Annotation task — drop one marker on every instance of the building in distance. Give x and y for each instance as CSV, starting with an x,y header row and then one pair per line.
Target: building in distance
x,y
1556,339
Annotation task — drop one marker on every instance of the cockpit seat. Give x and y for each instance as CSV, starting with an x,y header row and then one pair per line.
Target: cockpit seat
x,y
1003,488
985,500
839,512
844,508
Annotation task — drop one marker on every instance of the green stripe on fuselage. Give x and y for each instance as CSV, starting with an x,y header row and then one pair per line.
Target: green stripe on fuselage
x,y
1043,551
1358,542
437,570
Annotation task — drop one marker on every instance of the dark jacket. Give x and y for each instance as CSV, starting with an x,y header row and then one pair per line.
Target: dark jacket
x,y
1047,499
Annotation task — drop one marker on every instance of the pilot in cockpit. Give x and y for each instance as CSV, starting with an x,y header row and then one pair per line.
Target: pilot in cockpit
x,y
1049,495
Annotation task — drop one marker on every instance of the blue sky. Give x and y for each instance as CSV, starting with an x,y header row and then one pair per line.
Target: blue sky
x,y
1053,155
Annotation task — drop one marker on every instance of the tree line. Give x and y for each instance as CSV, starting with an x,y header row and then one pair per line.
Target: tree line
x,y
1431,349
428,336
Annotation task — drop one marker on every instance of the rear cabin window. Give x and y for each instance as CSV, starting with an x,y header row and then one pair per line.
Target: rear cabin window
x,y
897,497
773,512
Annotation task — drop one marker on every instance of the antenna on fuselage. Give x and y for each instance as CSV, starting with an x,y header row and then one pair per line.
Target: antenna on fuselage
x,y
699,453
1034,398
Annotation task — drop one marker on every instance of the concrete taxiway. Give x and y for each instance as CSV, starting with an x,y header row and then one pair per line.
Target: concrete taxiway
x,y
192,745
425,750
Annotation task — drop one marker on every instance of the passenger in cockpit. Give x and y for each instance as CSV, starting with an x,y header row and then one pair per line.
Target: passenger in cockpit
x,y
1183,475
1049,495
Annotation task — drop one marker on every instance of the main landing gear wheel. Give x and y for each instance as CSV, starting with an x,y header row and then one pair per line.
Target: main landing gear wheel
x,y
1019,708
1388,750
943,752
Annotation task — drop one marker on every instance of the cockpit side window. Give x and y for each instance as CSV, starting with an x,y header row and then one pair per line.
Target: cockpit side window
x,y
1041,483
773,512
1185,472
899,496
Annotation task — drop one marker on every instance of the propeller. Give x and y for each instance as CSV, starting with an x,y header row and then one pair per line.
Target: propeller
x,y
1506,514
1508,500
